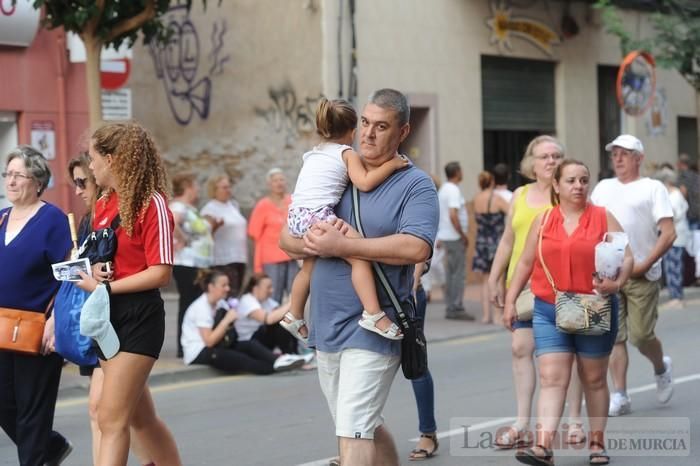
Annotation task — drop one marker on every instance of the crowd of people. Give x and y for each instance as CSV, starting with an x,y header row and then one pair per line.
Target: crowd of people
x,y
532,247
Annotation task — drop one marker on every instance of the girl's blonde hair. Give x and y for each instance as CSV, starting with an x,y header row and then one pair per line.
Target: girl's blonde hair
x,y
136,164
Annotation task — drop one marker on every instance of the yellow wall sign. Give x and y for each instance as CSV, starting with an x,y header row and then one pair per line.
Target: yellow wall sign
x,y
503,25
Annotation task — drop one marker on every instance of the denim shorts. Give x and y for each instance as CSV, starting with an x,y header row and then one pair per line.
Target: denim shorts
x,y
522,324
548,339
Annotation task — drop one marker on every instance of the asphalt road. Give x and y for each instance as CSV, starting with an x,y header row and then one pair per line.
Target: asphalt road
x,y
283,419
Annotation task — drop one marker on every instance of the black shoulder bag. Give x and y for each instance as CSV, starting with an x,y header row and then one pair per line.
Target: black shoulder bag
x,y
101,245
414,348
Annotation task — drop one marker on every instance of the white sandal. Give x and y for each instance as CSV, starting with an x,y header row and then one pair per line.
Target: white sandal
x,y
293,326
369,322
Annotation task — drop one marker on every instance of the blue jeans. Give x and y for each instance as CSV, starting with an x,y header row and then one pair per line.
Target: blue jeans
x,y
423,386
548,339
673,268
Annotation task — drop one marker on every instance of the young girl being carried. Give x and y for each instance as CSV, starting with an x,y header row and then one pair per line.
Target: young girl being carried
x,y
321,182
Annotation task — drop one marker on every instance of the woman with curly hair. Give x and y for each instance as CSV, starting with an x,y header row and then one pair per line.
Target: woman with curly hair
x,y
126,163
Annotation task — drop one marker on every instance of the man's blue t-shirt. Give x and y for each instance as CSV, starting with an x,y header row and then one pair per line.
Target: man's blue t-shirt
x,y
26,278
405,203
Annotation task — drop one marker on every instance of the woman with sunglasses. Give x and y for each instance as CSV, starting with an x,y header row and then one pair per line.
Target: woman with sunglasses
x,y
86,188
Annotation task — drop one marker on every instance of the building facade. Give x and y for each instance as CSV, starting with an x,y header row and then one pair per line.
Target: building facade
x,y
236,86
42,96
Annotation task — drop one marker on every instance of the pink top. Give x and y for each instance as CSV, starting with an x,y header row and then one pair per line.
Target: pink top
x,y
264,227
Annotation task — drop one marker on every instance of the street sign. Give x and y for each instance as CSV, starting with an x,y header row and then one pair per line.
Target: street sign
x,y
114,73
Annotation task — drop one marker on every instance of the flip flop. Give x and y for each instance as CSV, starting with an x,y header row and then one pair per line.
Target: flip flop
x,y
531,457
420,454
598,457
511,438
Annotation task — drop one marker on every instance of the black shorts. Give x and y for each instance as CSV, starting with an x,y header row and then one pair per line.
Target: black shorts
x,y
139,320
86,371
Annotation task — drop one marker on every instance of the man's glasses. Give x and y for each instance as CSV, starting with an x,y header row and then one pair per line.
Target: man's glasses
x,y
16,175
80,182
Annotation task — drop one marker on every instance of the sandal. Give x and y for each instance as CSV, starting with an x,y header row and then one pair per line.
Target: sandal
x,y
511,438
576,435
292,325
334,461
369,322
420,454
598,457
531,457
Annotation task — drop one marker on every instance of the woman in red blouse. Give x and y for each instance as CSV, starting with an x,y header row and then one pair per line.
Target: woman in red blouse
x,y
570,232
128,167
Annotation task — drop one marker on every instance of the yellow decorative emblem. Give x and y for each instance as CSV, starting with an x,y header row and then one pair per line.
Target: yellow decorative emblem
x,y
503,25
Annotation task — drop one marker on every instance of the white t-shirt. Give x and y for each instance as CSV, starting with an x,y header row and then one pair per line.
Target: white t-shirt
x,y
230,239
323,177
200,314
638,206
247,326
450,197
505,193
680,220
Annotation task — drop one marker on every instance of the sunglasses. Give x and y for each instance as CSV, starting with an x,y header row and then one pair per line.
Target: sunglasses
x,y
80,182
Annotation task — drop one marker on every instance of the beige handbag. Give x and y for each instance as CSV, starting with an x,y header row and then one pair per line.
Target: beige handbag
x,y
525,304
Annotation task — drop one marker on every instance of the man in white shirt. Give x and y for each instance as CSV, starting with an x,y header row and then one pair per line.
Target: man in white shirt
x,y
643,208
501,174
452,235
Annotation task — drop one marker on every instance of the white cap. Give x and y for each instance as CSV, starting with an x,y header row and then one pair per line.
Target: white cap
x,y
626,141
94,322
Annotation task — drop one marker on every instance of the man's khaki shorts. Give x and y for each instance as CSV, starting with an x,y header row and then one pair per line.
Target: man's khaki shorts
x,y
639,310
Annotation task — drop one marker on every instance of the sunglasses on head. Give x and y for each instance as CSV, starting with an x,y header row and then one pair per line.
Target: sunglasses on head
x,y
80,182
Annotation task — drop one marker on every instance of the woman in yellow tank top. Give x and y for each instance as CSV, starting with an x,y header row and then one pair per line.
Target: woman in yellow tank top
x,y
542,156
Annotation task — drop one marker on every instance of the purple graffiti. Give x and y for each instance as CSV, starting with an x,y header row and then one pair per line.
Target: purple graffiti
x,y
177,63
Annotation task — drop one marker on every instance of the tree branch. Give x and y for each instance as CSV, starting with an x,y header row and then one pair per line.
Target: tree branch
x,y
92,24
135,22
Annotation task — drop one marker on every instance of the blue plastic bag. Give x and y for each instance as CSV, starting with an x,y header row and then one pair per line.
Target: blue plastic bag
x,y
70,343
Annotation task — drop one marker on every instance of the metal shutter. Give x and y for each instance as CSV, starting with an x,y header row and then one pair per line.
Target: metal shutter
x,y
517,94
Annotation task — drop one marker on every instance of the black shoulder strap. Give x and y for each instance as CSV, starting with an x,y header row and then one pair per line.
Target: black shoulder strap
x,y
377,268
115,222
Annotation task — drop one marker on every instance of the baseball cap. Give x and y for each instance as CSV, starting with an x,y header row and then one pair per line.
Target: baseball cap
x,y
94,322
626,141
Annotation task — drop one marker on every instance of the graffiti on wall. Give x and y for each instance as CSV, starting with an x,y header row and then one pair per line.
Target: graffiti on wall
x,y
177,64
287,113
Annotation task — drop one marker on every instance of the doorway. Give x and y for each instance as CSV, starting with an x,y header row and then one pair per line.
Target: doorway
x,y
517,105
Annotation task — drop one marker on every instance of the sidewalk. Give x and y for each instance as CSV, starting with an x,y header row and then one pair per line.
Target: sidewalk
x,y
170,369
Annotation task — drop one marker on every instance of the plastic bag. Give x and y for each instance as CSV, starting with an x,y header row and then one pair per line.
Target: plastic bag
x,y
70,343
609,254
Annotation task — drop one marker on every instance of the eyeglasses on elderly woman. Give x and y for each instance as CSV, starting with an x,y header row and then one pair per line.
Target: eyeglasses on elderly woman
x,y
16,175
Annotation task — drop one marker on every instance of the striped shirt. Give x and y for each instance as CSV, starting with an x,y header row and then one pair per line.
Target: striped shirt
x,y
151,242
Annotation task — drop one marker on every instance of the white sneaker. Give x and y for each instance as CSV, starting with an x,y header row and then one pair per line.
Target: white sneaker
x,y
619,404
664,382
288,362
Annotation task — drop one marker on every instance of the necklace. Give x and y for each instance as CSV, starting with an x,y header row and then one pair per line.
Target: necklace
x,y
29,213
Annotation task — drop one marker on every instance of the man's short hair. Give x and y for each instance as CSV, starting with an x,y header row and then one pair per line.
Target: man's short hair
x,y
393,100
452,169
501,173
684,158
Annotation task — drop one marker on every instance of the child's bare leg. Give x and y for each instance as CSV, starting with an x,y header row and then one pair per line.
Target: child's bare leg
x,y
363,282
300,291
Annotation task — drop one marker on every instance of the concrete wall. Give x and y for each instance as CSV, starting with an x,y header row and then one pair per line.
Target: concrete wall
x,y
236,90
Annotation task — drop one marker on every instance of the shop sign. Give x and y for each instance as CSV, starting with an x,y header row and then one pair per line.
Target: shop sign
x,y
19,22
43,138
504,26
